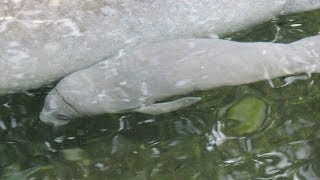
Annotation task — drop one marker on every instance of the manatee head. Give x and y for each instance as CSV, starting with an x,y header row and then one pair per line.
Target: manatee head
x,y
56,110
80,94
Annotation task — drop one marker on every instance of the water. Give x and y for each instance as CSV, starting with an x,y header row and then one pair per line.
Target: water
x,y
249,131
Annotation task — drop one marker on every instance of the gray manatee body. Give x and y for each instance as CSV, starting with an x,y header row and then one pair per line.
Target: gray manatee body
x,y
44,40
142,76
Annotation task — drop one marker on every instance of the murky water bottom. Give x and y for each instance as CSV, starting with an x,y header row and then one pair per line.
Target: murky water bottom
x,y
262,130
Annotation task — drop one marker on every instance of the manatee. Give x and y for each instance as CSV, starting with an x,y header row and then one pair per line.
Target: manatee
x,y
42,41
141,77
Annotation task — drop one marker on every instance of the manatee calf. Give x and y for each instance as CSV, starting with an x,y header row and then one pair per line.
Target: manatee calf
x,y
44,40
144,75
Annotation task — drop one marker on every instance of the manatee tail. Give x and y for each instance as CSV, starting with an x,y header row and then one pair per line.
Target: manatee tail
x,y
296,6
311,41
310,46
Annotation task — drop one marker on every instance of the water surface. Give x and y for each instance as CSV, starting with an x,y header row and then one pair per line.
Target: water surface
x,y
263,130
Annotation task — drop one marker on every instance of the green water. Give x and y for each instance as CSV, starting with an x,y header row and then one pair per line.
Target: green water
x,y
246,132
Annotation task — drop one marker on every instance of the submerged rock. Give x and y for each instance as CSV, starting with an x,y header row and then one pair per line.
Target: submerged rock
x,y
246,115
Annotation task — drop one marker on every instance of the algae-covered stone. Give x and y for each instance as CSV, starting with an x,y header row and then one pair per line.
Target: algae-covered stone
x,y
73,154
246,115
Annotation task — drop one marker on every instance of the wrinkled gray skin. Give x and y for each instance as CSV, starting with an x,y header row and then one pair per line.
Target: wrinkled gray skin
x,y
44,40
143,75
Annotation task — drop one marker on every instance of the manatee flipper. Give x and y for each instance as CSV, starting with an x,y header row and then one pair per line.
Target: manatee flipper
x,y
161,108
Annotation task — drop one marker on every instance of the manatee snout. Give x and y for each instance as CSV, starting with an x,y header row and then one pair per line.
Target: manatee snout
x,y
55,110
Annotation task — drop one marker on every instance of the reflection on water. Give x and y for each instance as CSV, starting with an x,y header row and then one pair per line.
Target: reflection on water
x,y
236,133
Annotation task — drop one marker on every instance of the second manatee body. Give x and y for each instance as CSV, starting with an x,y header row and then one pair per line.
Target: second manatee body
x,y
140,77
